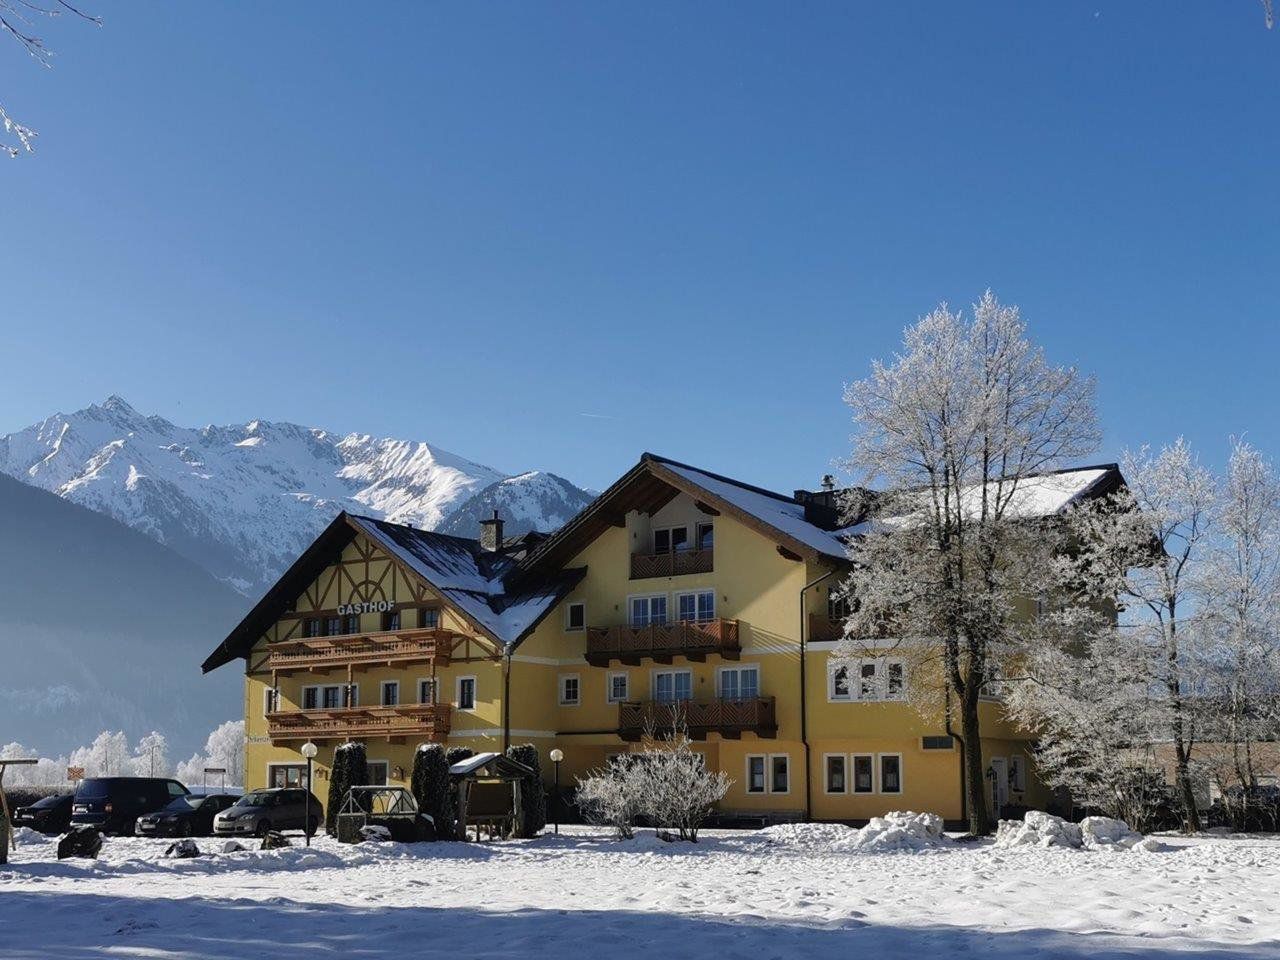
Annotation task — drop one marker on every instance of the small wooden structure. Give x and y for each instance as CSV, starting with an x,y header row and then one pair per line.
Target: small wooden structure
x,y
6,818
480,783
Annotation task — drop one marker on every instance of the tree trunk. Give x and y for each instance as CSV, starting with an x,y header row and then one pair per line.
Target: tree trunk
x,y
976,798
1185,790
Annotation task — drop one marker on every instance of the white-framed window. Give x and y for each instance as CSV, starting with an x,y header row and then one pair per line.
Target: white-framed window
x,y
648,609
270,700
696,606
838,688
779,773
890,773
705,538
427,690
466,697
868,681
310,698
570,689
391,621
575,616
895,680
670,539
863,773
331,697
618,688
1017,773
429,617
757,766
836,767
390,693
378,771
740,682
670,686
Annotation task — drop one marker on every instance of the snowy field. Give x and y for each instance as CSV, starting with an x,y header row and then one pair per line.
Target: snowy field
x,y
782,893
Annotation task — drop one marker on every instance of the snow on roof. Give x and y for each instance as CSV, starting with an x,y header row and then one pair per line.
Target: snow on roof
x,y
472,763
471,578
781,512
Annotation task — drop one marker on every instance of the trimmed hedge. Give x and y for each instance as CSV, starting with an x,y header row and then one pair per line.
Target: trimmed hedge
x,y
430,786
26,796
350,769
533,795
454,754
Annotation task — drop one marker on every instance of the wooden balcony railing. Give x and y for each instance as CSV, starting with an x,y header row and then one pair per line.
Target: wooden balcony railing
x,y
663,641
361,650
419,721
645,565
729,718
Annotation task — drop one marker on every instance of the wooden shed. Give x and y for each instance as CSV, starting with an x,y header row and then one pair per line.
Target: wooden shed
x,y
488,791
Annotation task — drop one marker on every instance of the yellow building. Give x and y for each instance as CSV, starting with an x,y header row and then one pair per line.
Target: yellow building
x,y
676,586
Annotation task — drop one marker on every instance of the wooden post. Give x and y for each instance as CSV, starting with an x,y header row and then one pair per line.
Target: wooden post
x,y
464,789
516,804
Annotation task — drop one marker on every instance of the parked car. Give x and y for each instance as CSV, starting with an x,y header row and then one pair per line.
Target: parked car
x,y
114,804
259,812
51,815
188,816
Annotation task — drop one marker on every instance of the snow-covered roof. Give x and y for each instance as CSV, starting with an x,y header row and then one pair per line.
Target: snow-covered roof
x,y
472,764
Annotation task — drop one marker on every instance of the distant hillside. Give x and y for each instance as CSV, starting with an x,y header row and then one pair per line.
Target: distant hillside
x,y
102,627
531,501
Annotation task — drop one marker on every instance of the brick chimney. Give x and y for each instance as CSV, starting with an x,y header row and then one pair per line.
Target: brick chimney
x,y
491,533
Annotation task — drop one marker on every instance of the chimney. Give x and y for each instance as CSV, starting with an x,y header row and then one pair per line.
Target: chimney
x,y
491,533
828,482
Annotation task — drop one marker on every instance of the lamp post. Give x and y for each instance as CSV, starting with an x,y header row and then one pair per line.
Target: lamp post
x,y
556,756
308,751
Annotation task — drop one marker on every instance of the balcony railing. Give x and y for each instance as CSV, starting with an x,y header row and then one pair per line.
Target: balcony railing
x,y
662,641
729,718
361,650
645,565
421,721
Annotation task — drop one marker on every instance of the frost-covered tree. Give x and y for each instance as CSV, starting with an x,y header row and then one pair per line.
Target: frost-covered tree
x,y
18,18
675,787
223,748
1241,585
608,797
955,427
107,756
151,756
1144,551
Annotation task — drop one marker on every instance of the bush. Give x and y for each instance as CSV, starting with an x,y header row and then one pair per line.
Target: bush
x,y
350,769
454,754
431,788
533,795
608,797
26,796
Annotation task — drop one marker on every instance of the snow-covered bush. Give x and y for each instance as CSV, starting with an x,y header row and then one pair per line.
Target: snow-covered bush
x,y
350,769
223,748
533,795
430,787
896,831
1039,829
608,797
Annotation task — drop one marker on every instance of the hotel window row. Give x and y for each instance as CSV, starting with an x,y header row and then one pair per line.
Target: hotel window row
x,y
676,539
336,696
428,618
860,772
870,679
691,606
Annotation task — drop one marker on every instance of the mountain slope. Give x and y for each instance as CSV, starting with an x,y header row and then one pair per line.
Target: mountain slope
x,y
242,501
102,627
530,501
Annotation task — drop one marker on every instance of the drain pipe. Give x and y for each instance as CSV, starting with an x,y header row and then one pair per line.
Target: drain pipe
x,y
506,701
804,697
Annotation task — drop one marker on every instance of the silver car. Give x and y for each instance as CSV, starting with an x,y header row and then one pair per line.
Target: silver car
x,y
262,811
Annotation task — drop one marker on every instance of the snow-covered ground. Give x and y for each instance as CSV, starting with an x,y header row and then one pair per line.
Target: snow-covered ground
x,y
786,892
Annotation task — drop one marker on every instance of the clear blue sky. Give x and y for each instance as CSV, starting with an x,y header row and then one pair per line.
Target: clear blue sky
x,y
555,235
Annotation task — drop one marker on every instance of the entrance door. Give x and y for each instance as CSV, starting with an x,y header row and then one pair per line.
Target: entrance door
x,y
1000,789
288,775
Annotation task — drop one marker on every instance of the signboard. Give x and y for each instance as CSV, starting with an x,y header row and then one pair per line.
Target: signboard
x,y
75,773
369,606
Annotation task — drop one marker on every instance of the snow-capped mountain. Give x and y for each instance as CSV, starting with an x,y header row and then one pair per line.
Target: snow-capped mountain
x,y
244,500
531,501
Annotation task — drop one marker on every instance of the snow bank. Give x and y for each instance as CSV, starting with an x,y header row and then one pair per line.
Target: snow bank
x,y
1038,829
895,832
806,836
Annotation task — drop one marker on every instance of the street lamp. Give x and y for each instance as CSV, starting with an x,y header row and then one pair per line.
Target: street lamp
x,y
308,751
556,756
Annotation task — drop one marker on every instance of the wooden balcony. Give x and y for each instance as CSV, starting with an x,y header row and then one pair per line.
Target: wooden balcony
x,y
729,718
400,647
661,642
410,721
646,565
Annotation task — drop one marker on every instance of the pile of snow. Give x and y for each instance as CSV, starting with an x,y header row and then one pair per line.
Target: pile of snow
x,y
375,833
1039,829
807,836
895,832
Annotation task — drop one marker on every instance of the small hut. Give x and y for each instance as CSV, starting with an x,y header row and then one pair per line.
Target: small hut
x,y
487,787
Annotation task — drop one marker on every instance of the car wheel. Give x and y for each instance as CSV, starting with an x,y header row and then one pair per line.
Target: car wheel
x,y
264,827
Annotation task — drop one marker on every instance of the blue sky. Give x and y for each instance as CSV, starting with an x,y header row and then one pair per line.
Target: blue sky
x,y
555,235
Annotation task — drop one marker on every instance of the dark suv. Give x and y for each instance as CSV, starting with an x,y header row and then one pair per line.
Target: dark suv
x,y
113,804
261,811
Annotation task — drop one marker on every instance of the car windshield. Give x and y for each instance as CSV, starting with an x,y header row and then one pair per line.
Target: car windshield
x,y
94,787
182,804
256,800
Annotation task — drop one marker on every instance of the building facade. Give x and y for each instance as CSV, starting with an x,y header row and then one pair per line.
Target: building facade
x,y
678,594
